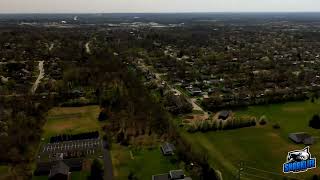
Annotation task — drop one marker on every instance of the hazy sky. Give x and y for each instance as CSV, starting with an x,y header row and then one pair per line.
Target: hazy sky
x,y
108,6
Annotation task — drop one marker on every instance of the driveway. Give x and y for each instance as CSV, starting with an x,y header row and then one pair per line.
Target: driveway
x,y
108,171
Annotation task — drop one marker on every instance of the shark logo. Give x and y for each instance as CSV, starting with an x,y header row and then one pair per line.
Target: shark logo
x,y
299,155
299,161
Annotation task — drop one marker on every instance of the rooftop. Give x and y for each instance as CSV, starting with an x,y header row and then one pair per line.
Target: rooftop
x,y
172,175
176,174
59,168
224,115
167,148
302,137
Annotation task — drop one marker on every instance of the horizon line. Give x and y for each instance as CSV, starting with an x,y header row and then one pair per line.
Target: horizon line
x,y
182,12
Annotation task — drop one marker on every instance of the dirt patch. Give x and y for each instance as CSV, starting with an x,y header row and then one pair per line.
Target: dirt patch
x,y
194,118
294,109
73,110
119,157
86,166
273,135
61,126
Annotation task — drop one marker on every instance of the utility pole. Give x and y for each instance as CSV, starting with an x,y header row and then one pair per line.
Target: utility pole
x,y
240,169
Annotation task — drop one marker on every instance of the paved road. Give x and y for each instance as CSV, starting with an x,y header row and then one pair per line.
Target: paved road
x,y
177,91
108,171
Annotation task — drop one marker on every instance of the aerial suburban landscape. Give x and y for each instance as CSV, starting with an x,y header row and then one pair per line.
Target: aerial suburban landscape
x,y
161,96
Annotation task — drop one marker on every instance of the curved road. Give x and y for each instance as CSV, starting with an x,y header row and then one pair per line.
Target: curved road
x,y
177,91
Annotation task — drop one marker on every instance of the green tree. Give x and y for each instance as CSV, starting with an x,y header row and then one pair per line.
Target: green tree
x,y
96,170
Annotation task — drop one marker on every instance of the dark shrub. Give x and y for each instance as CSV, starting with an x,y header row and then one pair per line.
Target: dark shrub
x,y
132,176
263,120
276,126
102,116
315,177
96,170
315,122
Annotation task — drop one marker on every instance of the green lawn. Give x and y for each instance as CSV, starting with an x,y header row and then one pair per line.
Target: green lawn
x,y
71,120
4,171
81,175
259,147
144,164
292,116
39,177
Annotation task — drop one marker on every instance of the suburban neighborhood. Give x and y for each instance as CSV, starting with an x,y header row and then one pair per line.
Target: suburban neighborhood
x,y
130,96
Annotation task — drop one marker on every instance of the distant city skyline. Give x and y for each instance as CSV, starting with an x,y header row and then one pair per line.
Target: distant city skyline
x,y
157,6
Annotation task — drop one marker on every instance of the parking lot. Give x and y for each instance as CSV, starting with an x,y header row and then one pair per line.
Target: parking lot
x,y
72,145
84,147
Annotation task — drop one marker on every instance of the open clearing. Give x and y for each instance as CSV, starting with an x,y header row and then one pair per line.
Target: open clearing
x,y
71,120
260,147
145,163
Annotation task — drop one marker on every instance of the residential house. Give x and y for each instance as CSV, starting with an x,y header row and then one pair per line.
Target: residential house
x,y
223,115
172,175
302,138
60,171
167,149
44,168
195,91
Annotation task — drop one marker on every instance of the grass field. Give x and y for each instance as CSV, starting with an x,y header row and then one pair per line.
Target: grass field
x,y
260,147
81,175
4,171
71,120
144,163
